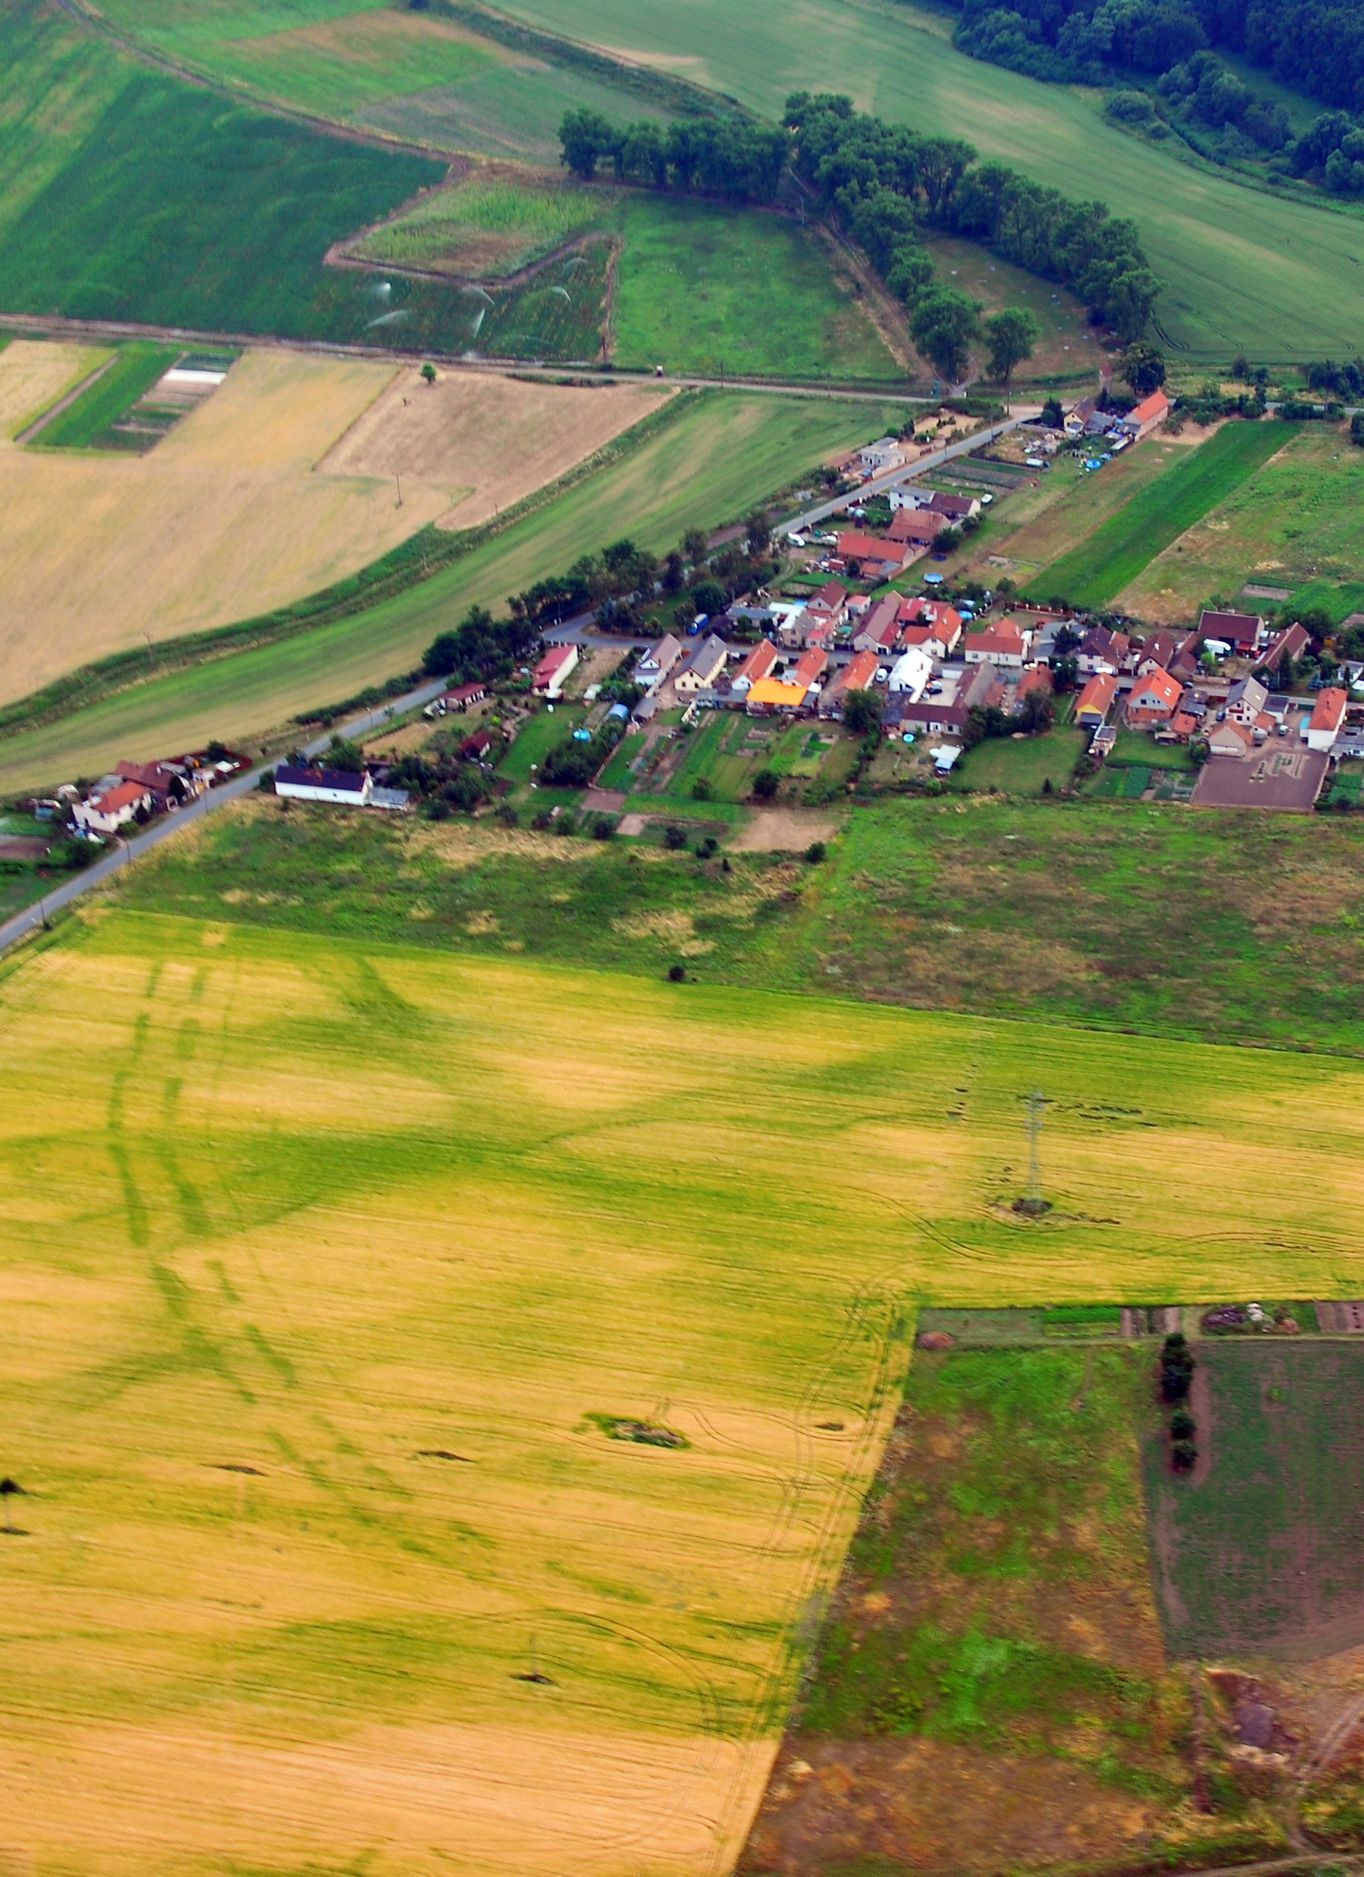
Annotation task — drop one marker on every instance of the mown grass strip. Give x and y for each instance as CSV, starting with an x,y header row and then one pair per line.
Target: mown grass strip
x,y
1098,569
108,398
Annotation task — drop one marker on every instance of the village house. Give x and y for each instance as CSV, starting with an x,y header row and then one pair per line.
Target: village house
x,y
916,529
1035,682
1184,661
859,674
1230,739
299,782
462,698
880,628
168,784
929,717
474,749
1101,650
1153,654
1291,644
832,601
774,697
756,664
1096,700
878,458
809,669
1004,645
954,509
553,670
1246,701
657,663
1149,415
1243,632
111,805
702,668
931,622
1327,719
878,557
1153,700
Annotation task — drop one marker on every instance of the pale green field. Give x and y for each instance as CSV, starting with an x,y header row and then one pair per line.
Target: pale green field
x,y
341,1213
718,455
1298,523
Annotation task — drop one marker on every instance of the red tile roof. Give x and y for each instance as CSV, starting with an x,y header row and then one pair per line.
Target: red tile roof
x,y
872,547
1329,712
1098,694
1154,406
126,795
859,672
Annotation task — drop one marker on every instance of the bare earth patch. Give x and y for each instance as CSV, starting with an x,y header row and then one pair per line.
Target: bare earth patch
x,y
474,443
783,831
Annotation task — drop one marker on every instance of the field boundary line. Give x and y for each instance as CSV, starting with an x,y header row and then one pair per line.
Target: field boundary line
x,y
64,403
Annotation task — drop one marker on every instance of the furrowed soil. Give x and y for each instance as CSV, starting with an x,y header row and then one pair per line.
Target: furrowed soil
x,y
1261,1550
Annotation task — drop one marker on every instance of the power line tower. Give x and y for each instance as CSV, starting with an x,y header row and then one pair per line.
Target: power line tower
x,y
1036,1106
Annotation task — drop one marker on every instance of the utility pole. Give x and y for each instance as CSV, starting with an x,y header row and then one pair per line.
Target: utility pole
x,y
399,482
1036,1104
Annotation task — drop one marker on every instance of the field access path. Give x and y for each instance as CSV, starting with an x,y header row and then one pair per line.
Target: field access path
x,y
57,326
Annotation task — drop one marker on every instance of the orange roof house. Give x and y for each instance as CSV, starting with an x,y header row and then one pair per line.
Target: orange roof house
x,y
1096,700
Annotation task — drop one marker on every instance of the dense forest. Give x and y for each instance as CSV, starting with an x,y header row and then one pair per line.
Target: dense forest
x,y
1172,47
886,184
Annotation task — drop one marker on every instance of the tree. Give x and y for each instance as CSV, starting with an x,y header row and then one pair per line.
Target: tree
x,y
1357,430
944,324
862,713
429,373
765,785
709,597
1052,414
8,1489
1143,367
1010,336
674,573
695,545
758,532
815,853
586,137
341,753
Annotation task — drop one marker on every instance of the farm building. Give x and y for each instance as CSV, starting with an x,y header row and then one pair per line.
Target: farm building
x,y
655,664
775,697
1096,700
1004,645
342,786
462,698
1327,718
111,805
1243,632
757,664
702,668
879,557
552,672
1153,699
1149,415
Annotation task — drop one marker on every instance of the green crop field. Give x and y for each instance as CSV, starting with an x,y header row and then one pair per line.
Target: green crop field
x,y
1126,917
86,423
684,289
711,460
1100,567
1260,1548
1242,268
305,1366
129,195
1297,523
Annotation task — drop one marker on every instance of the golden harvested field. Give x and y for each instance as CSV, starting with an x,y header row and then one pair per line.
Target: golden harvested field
x,y
241,508
318,1258
34,375
480,442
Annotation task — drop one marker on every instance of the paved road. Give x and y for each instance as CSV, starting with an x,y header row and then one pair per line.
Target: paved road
x,y
894,478
127,853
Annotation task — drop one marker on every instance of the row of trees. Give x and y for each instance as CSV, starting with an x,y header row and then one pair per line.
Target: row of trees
x,y
886,183
716,156
480,647
1313,45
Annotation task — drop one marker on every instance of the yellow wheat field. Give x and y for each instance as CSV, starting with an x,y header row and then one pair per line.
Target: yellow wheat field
x,y
284,480
317,1259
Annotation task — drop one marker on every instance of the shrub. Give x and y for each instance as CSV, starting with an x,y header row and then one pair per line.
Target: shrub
x,y
674,837
815,852
1174,1382
603,828
707,847
1182,1424
1183,1455
676,974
